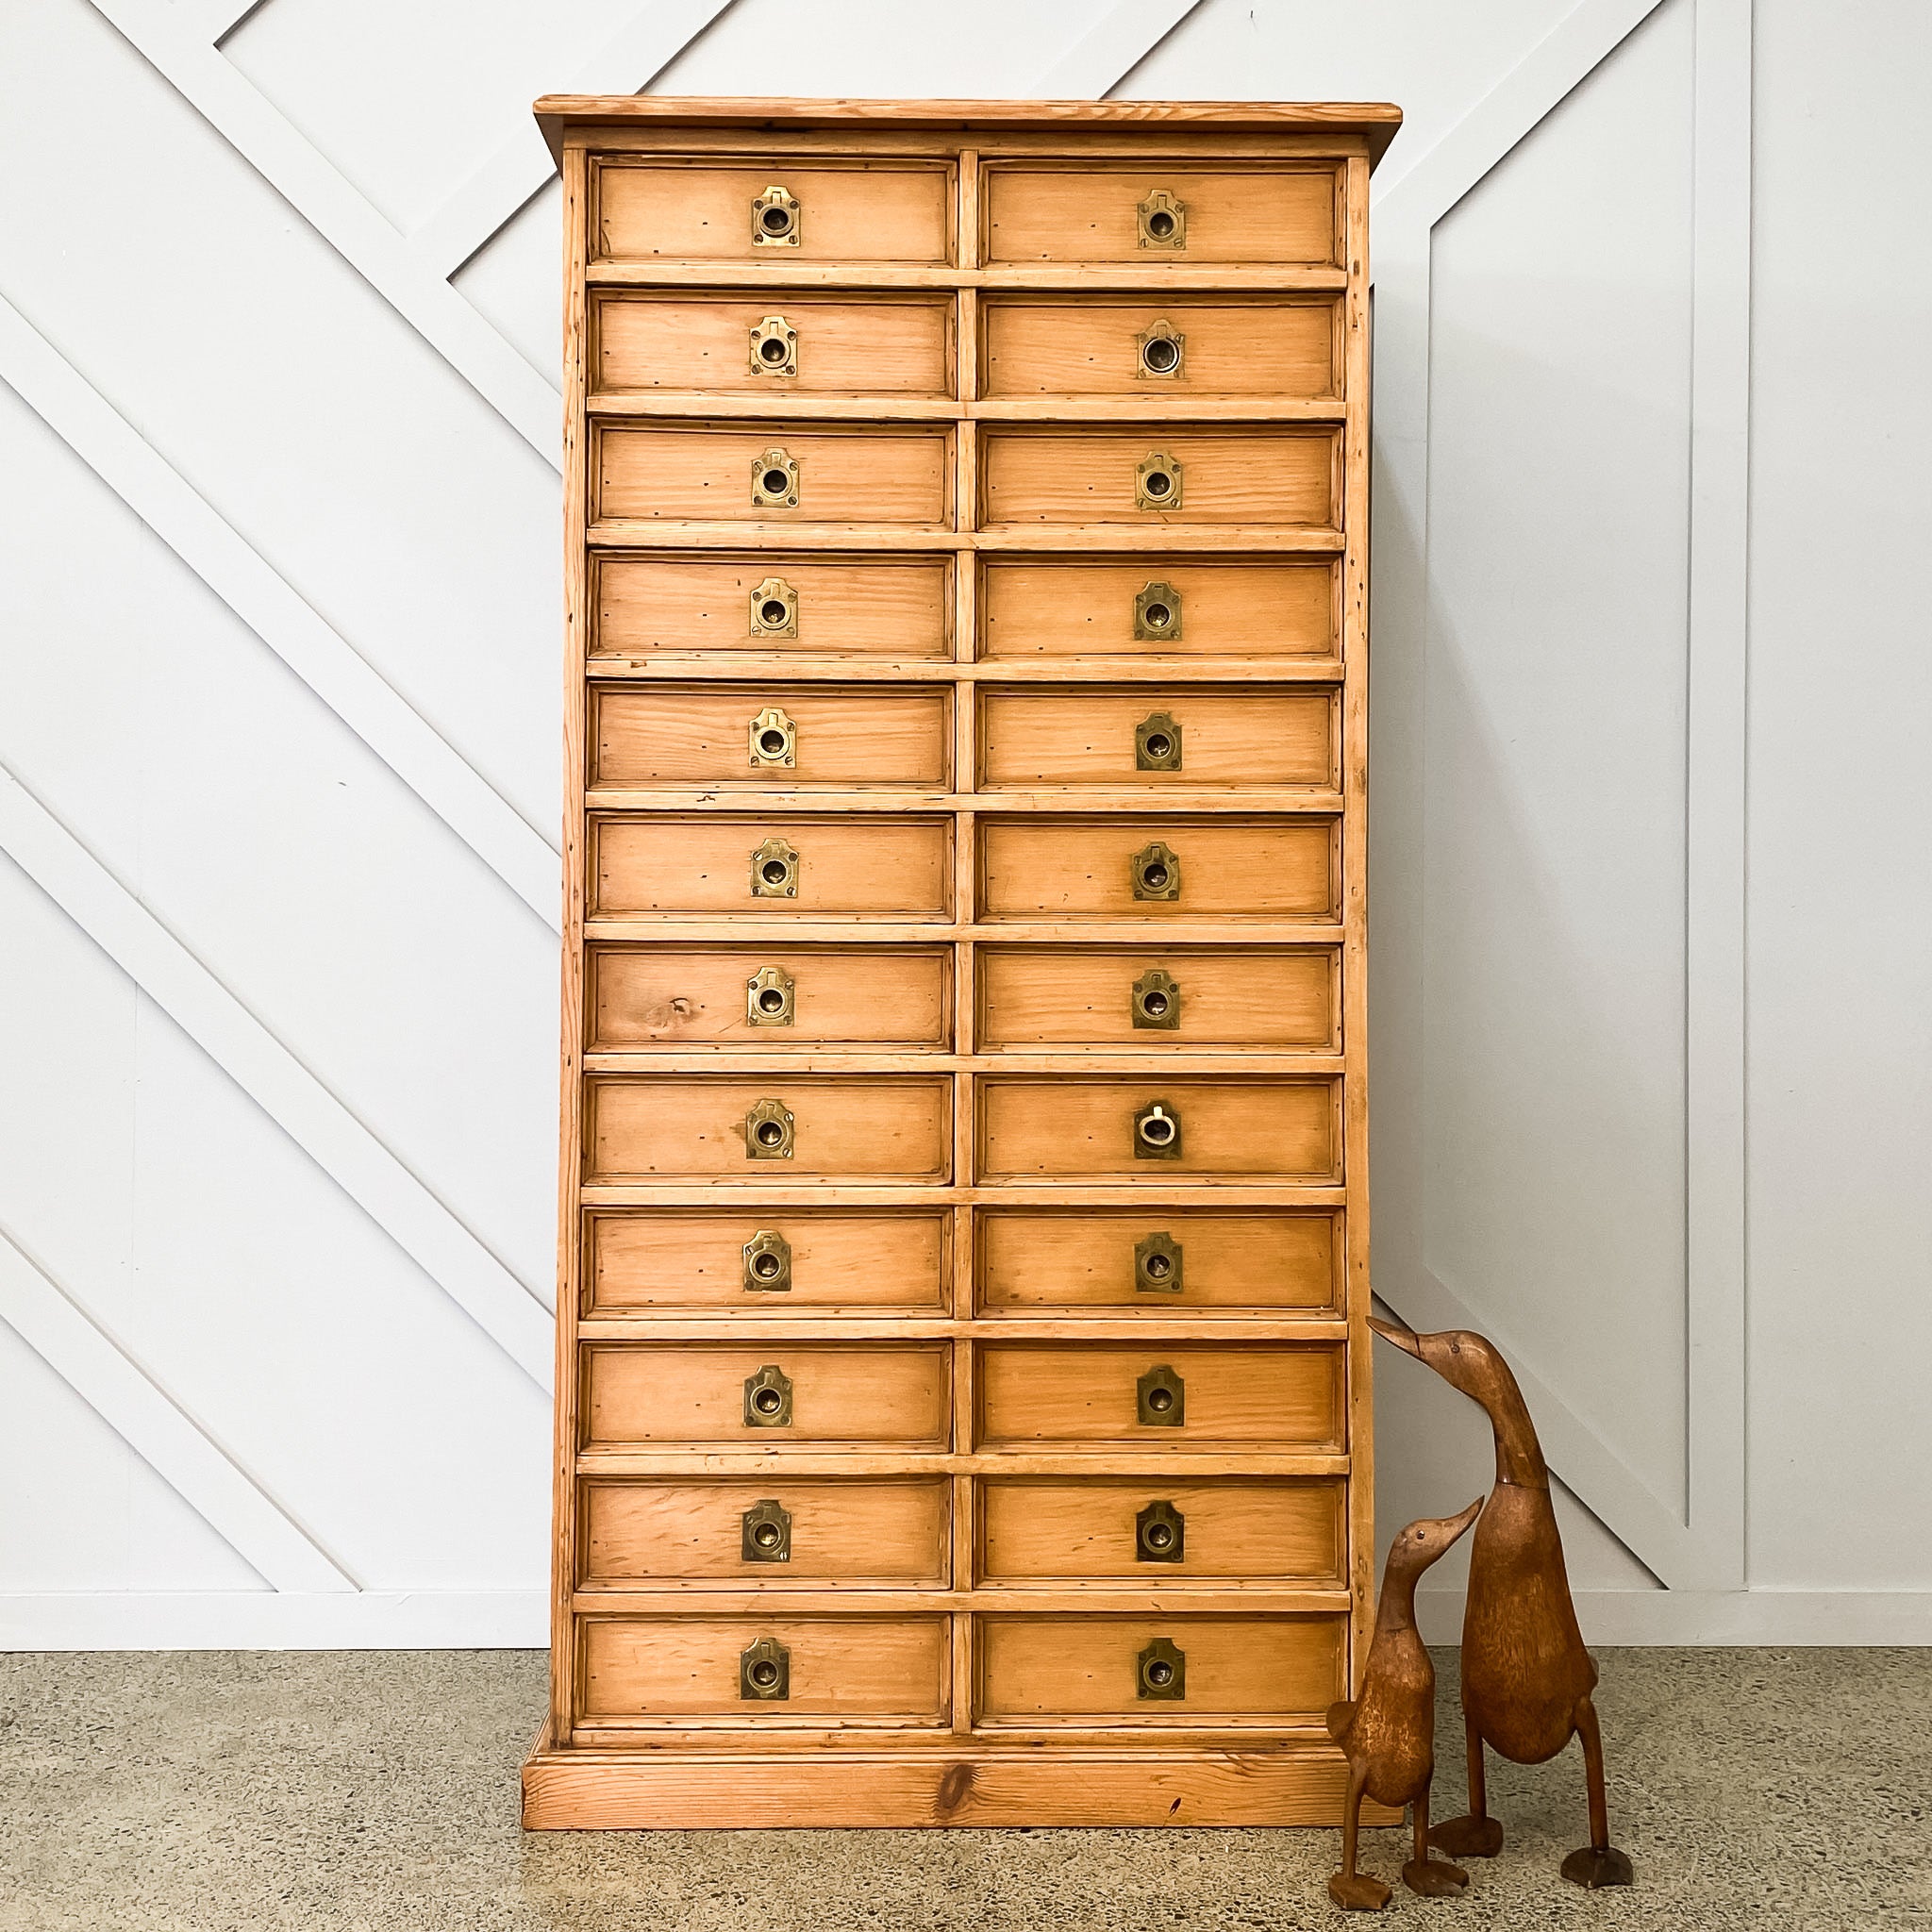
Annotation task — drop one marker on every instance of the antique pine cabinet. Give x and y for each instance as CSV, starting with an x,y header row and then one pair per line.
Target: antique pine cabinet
x,y
962,1380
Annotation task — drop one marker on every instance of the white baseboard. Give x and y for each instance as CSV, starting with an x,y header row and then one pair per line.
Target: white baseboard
x,y
1856,1619
279,1620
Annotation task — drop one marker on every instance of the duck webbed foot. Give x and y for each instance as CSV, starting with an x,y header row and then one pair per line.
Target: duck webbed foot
x,y
1597,1865
1468,1837
1356,1892
1434,1878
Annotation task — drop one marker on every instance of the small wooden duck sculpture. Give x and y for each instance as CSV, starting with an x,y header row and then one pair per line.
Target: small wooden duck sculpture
x,y
1526,1678
1389,1733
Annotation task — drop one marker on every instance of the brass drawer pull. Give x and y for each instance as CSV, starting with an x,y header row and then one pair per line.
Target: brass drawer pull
x,y
764,1671
1158,744
1156,871
1158,1264
769,996
768,1399
1157,1131
1163,222
1157,612
1161,1398
1156,1005
768,1131
765,1533
773,348
777,220
1160,1672
768,1263
1162,350
1156,482
774,871
774,609
773,480
1161,1534
775,739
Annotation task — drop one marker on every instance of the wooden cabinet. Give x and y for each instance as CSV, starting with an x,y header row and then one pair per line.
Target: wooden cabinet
x,y
963,1398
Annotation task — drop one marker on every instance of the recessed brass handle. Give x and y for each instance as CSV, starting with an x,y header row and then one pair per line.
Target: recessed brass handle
x,y
1155,1004
764,1671
1161,351
1156,482
768,1263
774,610
1158,1264
1160,1399
765,1533
1161,1534
773,480
774,736
1163,222
1161,1671
1156,1132
768,1399
1158,613
777,220
774,871
1156,871
770,997
1158,744
773,348
768,1130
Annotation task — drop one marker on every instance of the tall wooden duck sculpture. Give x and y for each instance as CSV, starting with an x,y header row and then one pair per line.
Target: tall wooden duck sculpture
x,y
1526,1678
1387,1734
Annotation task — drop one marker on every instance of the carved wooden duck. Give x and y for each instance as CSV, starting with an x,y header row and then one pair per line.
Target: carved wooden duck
x,y
1387,1734
1526,1678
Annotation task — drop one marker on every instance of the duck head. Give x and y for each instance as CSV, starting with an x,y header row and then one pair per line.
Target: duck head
x,y
1421,1543
1475,1364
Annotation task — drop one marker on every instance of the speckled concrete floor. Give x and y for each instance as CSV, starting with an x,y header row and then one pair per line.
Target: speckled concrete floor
x,y
1759,1788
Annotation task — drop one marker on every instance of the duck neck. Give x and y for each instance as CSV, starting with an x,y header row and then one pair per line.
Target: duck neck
x,y
1395,1613
1519,1455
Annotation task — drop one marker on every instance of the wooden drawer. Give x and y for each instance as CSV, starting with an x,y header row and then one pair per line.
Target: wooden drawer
x,y
1285,998
1065,607
1155,347
770,737
686,997
1272,1672
1285,1531
828,606
1153,736
1254,212
705,473
700,862
823,1531
1286,476
719,343
1051,1260
1038,867
1272,1396
858,210
651,1261
670,1395
853,1670
703,1126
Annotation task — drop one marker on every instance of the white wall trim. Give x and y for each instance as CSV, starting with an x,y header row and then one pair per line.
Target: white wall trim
x,y
1111,48
277,1619
1708,1618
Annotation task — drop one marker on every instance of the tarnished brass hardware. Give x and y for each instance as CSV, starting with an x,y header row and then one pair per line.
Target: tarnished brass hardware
x,y
769,996
1156,871
764,1672
774,871
1156,1132
774,738
1161,1671
1158,1264
774,610
1157,481
768,1399
765,1533
1158,613
775,348
768,1263
777,220
1158,744
1161,1398
768,1131
773,480
1162,350
1157,1002
1161,1534
1163,222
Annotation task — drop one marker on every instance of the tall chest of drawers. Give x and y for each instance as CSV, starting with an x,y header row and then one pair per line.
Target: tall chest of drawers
x,y
963,1378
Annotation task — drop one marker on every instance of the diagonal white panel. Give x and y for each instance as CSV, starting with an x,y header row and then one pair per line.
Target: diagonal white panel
x,y
1111,48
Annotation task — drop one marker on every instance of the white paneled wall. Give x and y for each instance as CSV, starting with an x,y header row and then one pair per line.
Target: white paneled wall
x,y
278,646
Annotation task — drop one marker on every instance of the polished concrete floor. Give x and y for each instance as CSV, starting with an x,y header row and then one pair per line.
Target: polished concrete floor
x,y
1783,1790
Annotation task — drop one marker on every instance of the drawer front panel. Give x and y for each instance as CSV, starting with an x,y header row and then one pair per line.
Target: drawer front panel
x,y
1067,609
1272,1396
1286,476
701,1127
1156,737
1099,346
1254,213
887,1669
700,863
821,1532
872,210
1256,1671
686,997
661,1259
1049,1261
1045,868
726,735
1282,998
667,1395
1289,1531
864,608
716,343
705,473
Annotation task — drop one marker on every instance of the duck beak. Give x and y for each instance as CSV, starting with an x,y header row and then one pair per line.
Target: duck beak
x,y
1405,1339
1461,1520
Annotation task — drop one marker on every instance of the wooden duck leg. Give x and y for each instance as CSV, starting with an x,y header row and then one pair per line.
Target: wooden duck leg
x,y
1432,1877
1353,1890
1475,1834
1599,1862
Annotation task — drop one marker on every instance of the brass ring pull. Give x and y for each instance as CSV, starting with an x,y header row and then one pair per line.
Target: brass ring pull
x,y
1158,1264
774,871
768,1263
764,1671
1160,1672
1158,744
777,220
1157,481
1154,1004
773,348
774,609
1163,222
1156,1132
1161,1534
773,480
774,736
1154,872
765,1533
1160,1399
768,1399
769,1131
1161,351
1158,613
770,997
